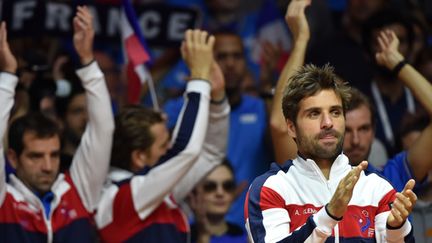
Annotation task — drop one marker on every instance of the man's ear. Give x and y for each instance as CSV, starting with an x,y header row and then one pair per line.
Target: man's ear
x,y
138,159
291,128
13,158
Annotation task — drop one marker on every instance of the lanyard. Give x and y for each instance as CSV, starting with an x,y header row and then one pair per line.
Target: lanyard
x,y
382,112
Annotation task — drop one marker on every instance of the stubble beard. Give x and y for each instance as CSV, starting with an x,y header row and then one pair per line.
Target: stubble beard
x,y
311,148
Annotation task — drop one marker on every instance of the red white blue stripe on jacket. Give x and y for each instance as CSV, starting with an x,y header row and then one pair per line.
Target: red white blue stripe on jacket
x,y
286,204
76,193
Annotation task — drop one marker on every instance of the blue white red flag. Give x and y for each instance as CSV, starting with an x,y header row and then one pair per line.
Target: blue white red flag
x,y
137,55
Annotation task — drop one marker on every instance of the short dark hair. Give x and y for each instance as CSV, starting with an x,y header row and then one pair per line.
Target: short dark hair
x,y
306,82
358,99
36,122
132,131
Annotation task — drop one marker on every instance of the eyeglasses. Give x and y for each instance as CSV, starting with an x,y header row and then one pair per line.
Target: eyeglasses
x,y
211,186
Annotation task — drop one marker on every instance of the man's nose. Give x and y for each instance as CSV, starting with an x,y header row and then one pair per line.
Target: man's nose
x,y
326,121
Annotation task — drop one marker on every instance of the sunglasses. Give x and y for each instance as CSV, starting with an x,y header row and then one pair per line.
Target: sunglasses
x,y
211,186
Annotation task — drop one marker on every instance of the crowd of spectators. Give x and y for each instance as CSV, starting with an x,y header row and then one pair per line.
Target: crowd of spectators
x,y
257,47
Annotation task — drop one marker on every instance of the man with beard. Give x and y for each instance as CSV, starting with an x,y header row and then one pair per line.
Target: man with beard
x,y
312,198
318,196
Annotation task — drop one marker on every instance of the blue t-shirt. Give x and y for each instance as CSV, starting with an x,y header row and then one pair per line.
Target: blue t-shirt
x,y
234,234
398,171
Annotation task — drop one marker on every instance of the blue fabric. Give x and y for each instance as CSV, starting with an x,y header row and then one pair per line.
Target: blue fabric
x,y
15,233
398,172
247,149
234,234
46,200
176,77
159,233
172,108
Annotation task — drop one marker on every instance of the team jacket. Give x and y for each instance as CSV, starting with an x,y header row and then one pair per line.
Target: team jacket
x,y
143,207
287,204
76,193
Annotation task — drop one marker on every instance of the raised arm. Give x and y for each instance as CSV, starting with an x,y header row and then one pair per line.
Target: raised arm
x,y
284,146
420,153
91,160
216,138
189,133
8,81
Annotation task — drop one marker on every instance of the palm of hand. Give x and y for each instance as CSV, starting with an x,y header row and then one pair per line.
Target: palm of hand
x,y
217,78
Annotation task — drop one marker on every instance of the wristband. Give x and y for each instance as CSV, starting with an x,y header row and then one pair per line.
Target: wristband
x,y
219,102
331,216
399,67
394,228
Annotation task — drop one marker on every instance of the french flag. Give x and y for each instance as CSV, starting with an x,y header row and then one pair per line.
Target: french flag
x,y
137,54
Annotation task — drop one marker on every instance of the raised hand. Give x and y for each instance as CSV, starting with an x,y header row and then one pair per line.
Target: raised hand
x,y
270,55
339,202
197,52
402,206
83,34
296,19
388,54
217,80
8,62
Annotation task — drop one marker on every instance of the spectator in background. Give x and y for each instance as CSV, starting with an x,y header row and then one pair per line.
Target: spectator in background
x,y
248,150
345,49
360,142
144,160
389,94
259,29
40,204
210,201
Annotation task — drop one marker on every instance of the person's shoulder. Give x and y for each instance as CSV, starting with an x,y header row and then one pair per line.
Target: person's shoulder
x,y
274,171
250,102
